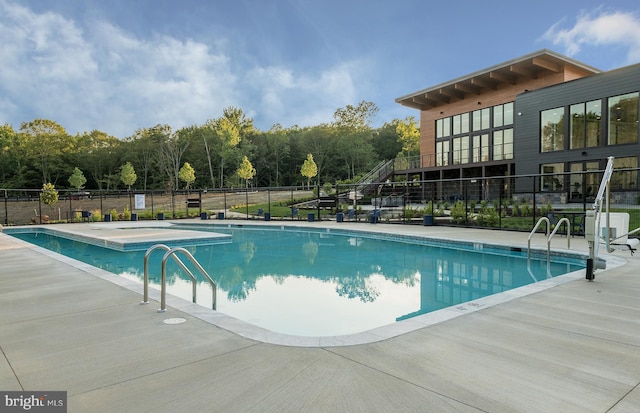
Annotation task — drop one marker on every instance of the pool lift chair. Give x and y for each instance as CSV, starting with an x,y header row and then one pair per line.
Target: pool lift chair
x,y
597,231
618,223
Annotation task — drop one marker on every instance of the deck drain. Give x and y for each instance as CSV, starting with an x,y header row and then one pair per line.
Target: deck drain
x,y
174,321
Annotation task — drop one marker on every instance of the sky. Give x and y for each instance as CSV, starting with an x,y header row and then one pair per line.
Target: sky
x,y
118,66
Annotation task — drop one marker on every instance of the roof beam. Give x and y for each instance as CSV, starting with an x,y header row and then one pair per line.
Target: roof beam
x,y
483,84
437,97
456,94
501,77
467,88
518,69
546,64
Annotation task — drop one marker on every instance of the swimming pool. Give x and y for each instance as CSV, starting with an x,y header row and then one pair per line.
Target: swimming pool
x,y
310,282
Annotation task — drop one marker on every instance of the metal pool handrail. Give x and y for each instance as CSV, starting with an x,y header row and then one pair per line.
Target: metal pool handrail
x,y
145,293
163,287
549,236
172,253
533,231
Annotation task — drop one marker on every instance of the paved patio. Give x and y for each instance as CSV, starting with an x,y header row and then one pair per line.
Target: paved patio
x,y
572,347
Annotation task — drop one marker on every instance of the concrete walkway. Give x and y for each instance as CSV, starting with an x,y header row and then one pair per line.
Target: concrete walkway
x,y
573,347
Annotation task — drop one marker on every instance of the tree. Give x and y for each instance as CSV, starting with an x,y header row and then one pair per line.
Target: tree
x,y
246,171
231,128
77,179
173,149
309,169
49,195
44,144
128,175
187,175
355,117
409,136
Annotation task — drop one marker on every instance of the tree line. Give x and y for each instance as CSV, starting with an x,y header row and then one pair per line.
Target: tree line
x,y
228,151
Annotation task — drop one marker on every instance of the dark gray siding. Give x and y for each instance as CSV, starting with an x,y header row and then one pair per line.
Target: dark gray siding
x,y
527,121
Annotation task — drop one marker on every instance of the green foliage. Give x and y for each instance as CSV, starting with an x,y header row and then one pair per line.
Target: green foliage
x,y
309,169
246,170
487,216
49,194
187,174
77,179
409,136
126,214
458,212
128,175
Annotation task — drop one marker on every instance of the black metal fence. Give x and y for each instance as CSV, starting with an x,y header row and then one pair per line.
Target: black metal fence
x,y
510,202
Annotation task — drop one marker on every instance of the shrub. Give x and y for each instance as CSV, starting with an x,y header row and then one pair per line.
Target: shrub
x,y
458,212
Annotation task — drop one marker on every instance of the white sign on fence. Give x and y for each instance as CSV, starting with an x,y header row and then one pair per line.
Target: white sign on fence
x,y
140,201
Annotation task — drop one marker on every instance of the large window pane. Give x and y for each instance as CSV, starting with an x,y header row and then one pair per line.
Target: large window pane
x,y
498,116
551,179
439,128
481,119
552,130
576,126
442,153
461,150
464,118
508,114
446,127
623,119
498,141
625,179
481,148
508,144
456,125
593,122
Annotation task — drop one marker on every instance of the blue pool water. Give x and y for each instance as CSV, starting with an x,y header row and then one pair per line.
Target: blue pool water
x,y
326,283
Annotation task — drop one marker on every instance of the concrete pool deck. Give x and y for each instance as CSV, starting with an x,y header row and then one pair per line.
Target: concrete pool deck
x,y
574,346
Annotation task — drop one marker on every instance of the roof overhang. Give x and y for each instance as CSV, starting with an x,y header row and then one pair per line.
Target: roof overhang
x,y
531,66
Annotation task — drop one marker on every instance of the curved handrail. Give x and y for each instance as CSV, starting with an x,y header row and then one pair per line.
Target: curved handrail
x,y
163,287
533,231
558,225
145,293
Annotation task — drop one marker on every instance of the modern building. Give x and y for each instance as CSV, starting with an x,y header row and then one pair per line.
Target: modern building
x,y
542,113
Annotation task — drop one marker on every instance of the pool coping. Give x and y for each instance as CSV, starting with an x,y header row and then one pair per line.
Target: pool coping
x,y
250,331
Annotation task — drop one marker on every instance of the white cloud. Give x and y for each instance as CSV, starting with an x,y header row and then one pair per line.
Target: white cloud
x,y
89,75
613,29
303,99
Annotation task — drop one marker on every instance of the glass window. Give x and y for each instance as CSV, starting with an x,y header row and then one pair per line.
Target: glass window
x,y
498,139
446,127
508,144
456,125
503,144
552,130
508,113
464,120
442,153
461,150
593,122
481,148
625,179
503,115
481,119
552,178
584,127
439,128
498,116
623,119
576,126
